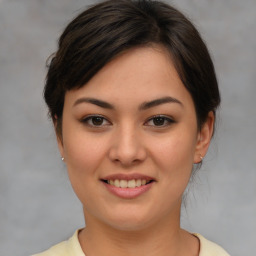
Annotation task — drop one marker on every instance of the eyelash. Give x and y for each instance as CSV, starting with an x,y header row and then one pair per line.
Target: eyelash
x,y
167,121
89,121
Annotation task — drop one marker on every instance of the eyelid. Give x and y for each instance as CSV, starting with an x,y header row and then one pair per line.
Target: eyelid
x,y
85,120
89,117
169,119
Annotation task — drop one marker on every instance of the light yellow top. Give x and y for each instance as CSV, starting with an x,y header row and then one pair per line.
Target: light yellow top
x,y
72,247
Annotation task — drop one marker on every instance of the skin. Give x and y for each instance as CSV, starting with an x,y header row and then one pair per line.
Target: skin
x,y
128,140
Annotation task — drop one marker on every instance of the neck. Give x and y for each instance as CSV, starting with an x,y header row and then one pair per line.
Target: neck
x,y
162,239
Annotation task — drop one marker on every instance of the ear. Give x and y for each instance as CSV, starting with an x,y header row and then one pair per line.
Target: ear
x,y
60,146
58,133
204,138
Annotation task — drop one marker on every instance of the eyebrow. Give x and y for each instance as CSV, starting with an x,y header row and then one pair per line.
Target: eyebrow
x,y
157,102
97,102
143,106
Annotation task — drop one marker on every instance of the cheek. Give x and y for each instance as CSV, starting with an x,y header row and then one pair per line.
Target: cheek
x,y
174,156
83,156
175,151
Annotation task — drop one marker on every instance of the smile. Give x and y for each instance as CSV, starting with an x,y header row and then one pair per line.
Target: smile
x,y
128,186
128,183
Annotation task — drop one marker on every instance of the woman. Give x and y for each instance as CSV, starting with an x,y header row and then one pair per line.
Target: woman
x,y
132,93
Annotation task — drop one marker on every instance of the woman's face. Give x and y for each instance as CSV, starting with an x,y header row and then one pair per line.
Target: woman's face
x,y
132,123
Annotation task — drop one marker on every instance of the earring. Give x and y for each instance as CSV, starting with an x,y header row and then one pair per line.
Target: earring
x,y
201,157
62,159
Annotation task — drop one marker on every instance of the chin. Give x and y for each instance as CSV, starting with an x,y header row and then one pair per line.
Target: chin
x,y
130,221
129,225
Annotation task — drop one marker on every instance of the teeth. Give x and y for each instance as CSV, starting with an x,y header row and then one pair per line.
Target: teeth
x,y
127,183
123,184
131,184
116,183
138,183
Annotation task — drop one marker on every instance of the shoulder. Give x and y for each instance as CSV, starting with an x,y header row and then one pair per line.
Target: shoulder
x,y
65,248
208,248
56,250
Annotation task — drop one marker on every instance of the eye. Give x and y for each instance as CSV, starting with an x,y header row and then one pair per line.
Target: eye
x,y
95,121
159,121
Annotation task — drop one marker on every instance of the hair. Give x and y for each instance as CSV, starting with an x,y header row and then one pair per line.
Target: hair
x,y
105,30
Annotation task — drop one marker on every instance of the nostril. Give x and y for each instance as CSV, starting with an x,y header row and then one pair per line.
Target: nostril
x,y
127,150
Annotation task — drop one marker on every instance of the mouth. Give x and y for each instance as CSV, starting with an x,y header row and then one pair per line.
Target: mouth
x,y
128,186
132,183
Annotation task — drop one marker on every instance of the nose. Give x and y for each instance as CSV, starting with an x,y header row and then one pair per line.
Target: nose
x,y
127,147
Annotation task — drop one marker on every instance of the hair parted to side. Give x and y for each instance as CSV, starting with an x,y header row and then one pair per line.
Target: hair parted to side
x,y
104,31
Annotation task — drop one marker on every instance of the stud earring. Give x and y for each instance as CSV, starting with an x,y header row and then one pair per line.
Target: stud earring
x,y
201,157
62,159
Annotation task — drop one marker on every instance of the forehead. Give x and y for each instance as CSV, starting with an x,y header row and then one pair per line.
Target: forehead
x,y
139,74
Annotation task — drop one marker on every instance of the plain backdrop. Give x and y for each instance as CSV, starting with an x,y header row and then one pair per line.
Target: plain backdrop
x,y
37,205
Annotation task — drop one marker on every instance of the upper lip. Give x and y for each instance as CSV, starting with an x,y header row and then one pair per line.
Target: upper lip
x,y
134,176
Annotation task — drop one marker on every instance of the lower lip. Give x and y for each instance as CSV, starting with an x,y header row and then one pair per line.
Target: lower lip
x,y
128,193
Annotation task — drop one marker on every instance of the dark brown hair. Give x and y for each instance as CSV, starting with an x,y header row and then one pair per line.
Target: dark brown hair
x,y
102,32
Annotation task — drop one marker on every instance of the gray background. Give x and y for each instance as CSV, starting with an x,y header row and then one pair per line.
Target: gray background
x,y
37,205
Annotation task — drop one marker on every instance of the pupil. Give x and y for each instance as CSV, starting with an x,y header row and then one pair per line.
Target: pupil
x,y
97,120
158,121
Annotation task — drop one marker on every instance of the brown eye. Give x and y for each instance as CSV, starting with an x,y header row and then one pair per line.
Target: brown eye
x,y
159,121
96,121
